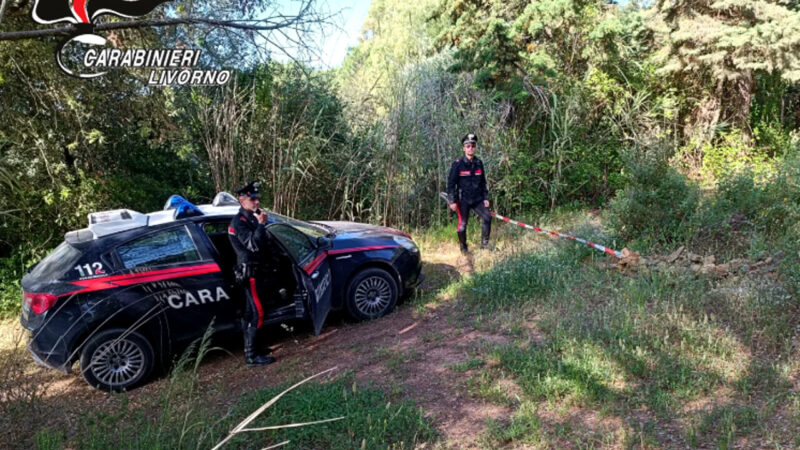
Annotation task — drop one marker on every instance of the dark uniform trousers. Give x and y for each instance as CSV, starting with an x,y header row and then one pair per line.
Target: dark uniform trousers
x,y
259,292
463,218
466,186
252,244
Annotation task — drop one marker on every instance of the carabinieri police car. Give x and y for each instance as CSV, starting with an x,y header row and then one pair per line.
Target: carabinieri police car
x,y
130,291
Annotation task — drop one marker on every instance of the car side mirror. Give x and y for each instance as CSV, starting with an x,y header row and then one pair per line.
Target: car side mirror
x,y
323,241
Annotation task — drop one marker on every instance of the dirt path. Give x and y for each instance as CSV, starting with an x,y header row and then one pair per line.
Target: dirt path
x,y
409,353
412,349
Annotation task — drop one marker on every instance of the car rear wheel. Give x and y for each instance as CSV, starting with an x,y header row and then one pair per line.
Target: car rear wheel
x,y
116,360
372,293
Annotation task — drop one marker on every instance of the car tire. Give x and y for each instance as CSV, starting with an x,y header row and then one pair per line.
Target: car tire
x,y
372,293
116,360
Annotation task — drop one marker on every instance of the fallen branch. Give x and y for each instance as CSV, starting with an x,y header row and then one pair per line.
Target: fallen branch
x,y
240,428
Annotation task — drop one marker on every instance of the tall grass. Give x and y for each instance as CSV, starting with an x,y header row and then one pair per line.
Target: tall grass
x,y
185,415
20,393
635,349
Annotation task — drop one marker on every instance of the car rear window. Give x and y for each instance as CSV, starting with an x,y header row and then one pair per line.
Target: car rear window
x,y
57,264
157,249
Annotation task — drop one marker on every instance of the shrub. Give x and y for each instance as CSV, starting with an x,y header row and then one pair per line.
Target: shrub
x,y
732,154
769,200
657,205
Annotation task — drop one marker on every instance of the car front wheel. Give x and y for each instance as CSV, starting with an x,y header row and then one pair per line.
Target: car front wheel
x,y
372,293
116,360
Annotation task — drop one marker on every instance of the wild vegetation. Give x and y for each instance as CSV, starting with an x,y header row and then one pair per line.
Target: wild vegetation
x,y
670,123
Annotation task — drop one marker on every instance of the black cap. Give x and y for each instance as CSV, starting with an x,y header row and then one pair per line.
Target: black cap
x,y
250,189
469,139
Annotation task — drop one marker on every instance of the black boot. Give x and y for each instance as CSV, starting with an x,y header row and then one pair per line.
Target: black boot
x,y
250,357
486,231
260,345
462,241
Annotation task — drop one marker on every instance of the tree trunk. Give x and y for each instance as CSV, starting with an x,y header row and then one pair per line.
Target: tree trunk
x,y
705,117
738,97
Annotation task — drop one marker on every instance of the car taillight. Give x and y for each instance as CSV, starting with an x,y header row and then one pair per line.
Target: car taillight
x,y
40,303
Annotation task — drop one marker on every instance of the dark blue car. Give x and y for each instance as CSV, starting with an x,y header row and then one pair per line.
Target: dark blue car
x,y
131,290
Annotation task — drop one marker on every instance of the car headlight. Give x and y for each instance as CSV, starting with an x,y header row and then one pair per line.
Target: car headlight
x,y
406,243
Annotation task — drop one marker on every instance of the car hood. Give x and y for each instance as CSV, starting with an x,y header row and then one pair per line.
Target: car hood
x,y
354,229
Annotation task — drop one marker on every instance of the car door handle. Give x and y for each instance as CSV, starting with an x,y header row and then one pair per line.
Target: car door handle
x,y
314,275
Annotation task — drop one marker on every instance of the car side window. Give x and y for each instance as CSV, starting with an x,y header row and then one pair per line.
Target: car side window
x,y
212,228
157,249
296,243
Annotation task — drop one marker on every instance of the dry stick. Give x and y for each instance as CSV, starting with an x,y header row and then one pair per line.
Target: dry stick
x,y
241,426
292,425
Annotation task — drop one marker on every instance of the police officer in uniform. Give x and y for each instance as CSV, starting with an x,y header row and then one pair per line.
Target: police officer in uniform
x,y
252,244
466,190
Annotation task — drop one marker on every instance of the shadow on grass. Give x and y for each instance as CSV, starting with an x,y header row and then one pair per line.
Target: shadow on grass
x,y
638,347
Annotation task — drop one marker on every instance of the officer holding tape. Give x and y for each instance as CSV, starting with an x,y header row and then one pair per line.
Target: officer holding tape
x,y
466,190
252,243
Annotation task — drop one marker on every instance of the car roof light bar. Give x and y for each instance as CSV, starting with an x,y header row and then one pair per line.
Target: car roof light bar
x,y
224,199
186,209
104,223
174,201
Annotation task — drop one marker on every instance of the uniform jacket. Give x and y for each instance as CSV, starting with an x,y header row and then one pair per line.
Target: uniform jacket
x,y
467,181
250,240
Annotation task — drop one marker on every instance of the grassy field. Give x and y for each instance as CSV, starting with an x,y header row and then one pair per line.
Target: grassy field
x,y
642,358
602,358
580,355
652,359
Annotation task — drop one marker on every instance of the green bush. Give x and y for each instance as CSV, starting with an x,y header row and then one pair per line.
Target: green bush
x,y
732,154
657,206
12,269
769,201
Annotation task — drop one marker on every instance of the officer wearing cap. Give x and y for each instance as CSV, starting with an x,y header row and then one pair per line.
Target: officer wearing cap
x,y
252,243
466,190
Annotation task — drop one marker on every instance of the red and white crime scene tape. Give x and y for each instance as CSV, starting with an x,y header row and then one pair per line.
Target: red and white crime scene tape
x,y
611,252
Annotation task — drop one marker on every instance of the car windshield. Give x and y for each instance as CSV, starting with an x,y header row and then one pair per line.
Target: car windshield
x,y
57,264
312,229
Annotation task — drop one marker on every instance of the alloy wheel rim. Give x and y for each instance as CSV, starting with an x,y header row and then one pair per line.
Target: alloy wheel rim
x,y
373,295
117,362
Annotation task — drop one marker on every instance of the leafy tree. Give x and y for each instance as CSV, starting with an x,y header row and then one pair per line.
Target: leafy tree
x,y
395,34
481,33
718,49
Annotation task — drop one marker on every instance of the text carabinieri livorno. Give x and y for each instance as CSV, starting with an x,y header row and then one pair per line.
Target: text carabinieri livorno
x,y
170,66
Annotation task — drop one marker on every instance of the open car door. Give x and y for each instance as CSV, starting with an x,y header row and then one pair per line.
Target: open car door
x,y
312,268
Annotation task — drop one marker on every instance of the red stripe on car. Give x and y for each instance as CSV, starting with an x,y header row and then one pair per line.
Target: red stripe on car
x,y
321,257
114,281
315,263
